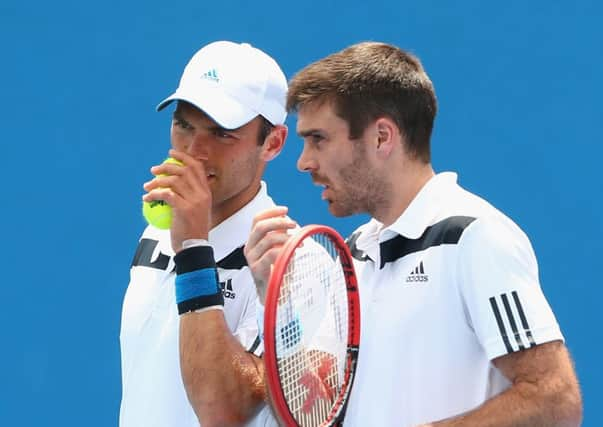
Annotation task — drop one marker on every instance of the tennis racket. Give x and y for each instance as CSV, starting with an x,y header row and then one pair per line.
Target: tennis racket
x,y
312,329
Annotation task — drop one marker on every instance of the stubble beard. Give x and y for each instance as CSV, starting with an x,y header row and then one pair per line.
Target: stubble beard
x,y
229,185
362,190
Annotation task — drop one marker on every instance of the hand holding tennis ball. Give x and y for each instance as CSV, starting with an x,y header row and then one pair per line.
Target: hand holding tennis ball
x,y
157,212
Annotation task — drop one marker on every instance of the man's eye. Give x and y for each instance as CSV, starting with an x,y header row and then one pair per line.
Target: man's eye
x,y
315,139
222,134
182,124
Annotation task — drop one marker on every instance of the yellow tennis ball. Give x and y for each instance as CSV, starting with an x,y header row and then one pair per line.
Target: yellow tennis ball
x,y
157,212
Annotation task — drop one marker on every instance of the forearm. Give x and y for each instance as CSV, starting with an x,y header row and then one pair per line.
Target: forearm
x,y
224,383
514,408
546,394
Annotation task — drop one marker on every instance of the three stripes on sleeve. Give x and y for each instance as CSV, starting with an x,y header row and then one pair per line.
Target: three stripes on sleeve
x,y
508,311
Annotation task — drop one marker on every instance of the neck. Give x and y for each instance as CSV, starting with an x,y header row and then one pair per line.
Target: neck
x,y
227,208
404,187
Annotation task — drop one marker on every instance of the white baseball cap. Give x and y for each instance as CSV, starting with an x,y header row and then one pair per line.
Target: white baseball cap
x,y
233,83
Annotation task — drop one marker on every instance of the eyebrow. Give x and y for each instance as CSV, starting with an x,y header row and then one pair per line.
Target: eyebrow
x,y
178,115
218,128
308,132
212,126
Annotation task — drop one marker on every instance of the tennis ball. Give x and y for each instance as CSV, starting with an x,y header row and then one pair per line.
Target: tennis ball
x,y
157,212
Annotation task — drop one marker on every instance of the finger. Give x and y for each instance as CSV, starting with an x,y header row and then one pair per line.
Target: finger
x,y
183,157
177,183
274,224
197,168
170,166
272,240
194,171
192,182
262,267
165,194
272,219
167,169
270,213
188,164
270,226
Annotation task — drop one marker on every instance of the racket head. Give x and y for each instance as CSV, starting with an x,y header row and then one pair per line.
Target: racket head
x,y
312,328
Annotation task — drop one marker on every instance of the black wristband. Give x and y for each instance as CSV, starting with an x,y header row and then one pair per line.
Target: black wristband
x,y
197,284
195,258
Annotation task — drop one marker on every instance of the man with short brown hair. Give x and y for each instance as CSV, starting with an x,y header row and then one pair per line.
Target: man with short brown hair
x,y
455,328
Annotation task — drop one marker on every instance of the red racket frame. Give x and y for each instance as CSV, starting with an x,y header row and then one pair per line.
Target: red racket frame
x,y
272,295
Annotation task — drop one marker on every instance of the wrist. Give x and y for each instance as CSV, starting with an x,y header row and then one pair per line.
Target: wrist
x,y
261,293
191,243
197,285
259,316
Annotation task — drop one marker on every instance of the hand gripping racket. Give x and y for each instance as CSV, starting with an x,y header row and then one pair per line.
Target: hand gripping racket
x,y
312,329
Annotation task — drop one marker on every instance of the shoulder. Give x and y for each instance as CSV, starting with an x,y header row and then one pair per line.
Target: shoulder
x,y
495,230
489,224
154,249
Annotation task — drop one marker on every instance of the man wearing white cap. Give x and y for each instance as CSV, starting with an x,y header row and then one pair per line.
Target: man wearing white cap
x,y
189,336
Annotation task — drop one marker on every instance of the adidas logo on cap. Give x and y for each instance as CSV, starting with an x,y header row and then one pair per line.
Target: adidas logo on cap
x,y
211,75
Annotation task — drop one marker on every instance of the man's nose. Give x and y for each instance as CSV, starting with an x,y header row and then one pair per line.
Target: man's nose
x,y
305,162
197,146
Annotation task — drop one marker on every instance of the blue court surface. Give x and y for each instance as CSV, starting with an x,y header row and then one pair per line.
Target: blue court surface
x,y
520,119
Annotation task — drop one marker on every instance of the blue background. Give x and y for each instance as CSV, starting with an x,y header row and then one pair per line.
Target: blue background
x,y
519,88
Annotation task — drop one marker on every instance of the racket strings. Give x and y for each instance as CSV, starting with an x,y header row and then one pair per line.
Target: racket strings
x,y
312,317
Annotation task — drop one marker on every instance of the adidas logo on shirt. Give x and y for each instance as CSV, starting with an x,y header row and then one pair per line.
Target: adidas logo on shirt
x,y
227,289
417,275
211,75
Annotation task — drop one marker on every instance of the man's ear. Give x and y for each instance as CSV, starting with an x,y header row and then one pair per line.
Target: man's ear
x,y
386,136
274,142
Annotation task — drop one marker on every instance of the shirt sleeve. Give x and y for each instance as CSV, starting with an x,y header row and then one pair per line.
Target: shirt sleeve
x,y
498,280
265,418
247,327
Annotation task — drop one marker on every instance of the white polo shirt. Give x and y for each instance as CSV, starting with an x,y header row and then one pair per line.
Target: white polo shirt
x,y
152,390
448,287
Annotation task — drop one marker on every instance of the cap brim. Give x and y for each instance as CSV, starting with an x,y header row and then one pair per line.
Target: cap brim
x,y
219,106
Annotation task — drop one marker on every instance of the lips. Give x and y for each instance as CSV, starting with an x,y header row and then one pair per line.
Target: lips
x,y
325,189
321,182
323,195
210,178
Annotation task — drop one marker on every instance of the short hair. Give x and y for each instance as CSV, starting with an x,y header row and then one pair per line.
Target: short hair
x,y
370,80
265,129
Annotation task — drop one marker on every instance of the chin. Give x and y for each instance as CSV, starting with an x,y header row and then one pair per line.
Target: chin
x,y
338,211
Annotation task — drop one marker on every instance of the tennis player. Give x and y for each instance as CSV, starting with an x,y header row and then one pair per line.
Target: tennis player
x,y
189,336
455,329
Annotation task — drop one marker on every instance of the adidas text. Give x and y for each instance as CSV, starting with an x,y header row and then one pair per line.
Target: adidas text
x,y
417,275
417,278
